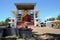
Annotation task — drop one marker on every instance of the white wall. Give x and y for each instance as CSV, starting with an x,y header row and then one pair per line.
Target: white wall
x,y
37,22
12,24
49,24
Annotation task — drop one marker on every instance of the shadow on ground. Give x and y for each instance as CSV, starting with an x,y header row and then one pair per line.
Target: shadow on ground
x,y
38,36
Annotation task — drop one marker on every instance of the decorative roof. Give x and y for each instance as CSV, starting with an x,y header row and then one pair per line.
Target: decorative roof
x,y
25,6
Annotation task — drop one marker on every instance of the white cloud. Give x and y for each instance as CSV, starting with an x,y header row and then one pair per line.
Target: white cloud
x,y
48,17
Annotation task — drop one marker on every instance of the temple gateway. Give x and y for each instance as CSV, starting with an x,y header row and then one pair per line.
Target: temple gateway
x,y
25,13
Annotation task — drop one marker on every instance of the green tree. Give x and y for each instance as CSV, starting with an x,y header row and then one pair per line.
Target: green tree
x,y
58,17
50,19
2,23
6,21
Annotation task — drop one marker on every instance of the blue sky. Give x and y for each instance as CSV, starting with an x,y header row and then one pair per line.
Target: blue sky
x,y
48,8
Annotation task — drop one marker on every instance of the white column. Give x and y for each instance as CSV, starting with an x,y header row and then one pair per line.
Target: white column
x,y
15,12
34,17
36,22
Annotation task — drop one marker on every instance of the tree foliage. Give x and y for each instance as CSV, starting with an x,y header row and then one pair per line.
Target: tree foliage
x,y
58,17
6,21
2,23
50,19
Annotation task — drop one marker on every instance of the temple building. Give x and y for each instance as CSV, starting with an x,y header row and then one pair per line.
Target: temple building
x,y
25,12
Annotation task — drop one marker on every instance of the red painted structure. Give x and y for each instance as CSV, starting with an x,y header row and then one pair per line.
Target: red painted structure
x,y
21,24
26,18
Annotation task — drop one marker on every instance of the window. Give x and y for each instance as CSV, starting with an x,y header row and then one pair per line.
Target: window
x,y
19,18
52,25
21,11
36,20
31,11
36,15
37,25
12,20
